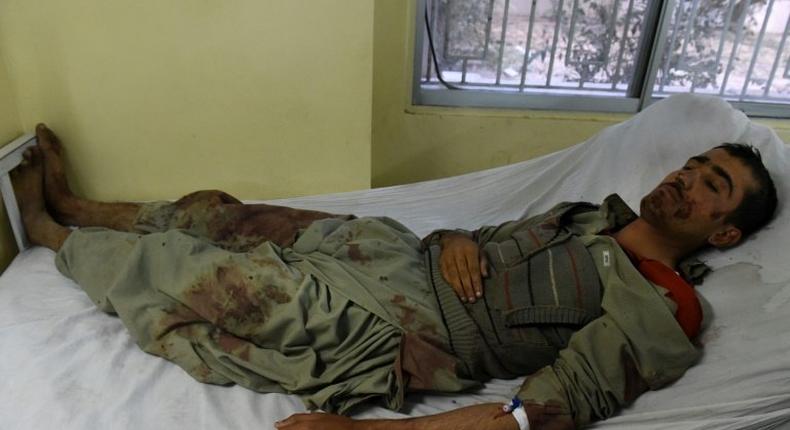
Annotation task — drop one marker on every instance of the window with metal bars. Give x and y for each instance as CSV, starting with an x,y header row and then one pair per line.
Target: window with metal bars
x,y
604,55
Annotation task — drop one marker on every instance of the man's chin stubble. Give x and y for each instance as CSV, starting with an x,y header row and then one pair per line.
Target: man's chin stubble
x,y
651,211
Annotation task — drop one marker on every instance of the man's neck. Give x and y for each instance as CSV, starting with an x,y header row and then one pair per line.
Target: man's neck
x,y
646,241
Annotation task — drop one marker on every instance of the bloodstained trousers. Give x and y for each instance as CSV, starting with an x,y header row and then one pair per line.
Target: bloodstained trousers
x,y
201,282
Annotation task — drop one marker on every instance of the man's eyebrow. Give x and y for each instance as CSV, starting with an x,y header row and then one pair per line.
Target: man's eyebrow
x,y
716,169
723,173
700,159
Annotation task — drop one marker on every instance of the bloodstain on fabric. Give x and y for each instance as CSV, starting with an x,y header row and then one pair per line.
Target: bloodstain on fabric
x,y
268,263
240,227
202,373
283,272
355,254
275,293
409,320
175,317
634,383
550,415
407,313
227,299
427,365
251,225
233,345
428,329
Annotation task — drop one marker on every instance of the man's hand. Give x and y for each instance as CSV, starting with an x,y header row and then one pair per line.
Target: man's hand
x,y
478,417
317,421
463,266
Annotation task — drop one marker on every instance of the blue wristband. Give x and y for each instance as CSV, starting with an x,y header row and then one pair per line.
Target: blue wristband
x,y
515,402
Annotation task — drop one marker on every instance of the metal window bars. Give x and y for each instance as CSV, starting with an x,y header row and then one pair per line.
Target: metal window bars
x,y
557,24
592,47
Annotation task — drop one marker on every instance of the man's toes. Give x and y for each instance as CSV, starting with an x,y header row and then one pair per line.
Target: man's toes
x,y
27,157
47,138
41,131
43,135
36,154
32,156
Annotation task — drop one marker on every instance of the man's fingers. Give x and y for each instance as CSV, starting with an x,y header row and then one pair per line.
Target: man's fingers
x,y
315,421
294,421
463,267
450,273
466,278
483,265
284,424
473,263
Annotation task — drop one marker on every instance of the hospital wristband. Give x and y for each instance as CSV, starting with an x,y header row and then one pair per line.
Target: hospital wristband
x,y
521,417
516,409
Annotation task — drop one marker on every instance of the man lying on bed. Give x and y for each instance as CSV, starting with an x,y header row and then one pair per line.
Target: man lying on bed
x,y
583,299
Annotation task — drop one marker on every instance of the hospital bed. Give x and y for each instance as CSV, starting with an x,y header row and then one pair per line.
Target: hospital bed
x,y
66,365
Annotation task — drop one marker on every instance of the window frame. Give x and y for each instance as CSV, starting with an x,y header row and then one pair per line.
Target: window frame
x,y
638,96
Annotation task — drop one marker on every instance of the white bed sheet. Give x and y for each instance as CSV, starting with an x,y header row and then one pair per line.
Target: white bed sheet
x,y
65,365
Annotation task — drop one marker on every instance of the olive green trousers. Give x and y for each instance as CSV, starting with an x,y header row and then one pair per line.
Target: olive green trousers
x,y
202,282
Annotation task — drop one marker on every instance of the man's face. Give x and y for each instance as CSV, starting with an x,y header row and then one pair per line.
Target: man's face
x,y
693,203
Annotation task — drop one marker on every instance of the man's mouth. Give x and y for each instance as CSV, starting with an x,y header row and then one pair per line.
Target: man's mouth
x,y
673,188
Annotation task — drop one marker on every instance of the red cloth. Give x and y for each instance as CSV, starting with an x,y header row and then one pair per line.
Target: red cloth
x,y
689,313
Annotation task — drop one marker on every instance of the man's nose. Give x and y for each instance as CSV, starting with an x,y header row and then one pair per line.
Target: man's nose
x,y
686,179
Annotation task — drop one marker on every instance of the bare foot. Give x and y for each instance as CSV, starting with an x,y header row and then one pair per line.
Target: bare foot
x,y
59,198
28,179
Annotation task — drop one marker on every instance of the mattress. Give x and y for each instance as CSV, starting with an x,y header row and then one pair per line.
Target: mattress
x,y
65,365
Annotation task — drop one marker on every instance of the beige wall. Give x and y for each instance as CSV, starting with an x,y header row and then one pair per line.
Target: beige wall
x,y
156,98
780,126
10,127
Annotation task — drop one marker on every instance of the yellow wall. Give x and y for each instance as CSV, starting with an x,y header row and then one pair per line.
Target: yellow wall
x,y
10,127
418,143
155,98
780,126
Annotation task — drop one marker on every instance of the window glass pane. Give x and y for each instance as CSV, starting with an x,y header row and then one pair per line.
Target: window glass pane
x,y
571,46
733,48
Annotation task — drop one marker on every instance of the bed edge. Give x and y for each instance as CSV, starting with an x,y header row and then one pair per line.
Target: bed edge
x,y
10,157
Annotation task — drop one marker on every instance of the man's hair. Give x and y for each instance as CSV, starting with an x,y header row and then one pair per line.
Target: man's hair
x,y
759,203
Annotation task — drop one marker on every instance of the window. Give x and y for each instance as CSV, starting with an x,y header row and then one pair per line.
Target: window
x,y
610,55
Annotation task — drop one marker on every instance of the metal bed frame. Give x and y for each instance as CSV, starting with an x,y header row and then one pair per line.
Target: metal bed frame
x,y
10,157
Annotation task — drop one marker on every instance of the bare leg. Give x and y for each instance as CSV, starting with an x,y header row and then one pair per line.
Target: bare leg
x,y
28,181
212,214
65,206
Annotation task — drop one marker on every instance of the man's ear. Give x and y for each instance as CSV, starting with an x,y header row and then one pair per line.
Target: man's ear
x,y
729,235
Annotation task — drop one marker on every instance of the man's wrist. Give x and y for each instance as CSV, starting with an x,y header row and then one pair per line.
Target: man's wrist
x,y
437,236
450,235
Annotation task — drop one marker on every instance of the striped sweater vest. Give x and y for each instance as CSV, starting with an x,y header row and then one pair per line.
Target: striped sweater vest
x,y
542,286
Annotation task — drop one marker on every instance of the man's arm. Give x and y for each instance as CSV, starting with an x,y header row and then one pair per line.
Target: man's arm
x,y
487,416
